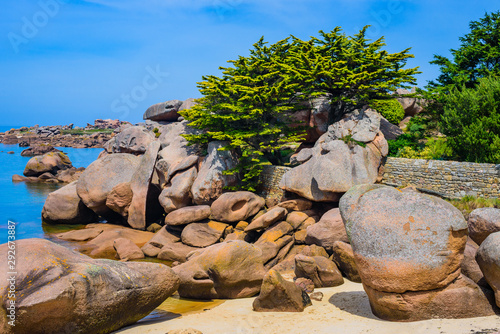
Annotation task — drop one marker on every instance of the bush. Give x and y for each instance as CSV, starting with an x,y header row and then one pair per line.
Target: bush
x,y
471,121
468,204
434,149
391,109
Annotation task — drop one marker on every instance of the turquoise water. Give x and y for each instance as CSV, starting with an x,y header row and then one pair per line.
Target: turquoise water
x,y
22,202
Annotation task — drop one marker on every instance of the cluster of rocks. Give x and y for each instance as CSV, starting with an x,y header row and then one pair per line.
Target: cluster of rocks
x,y
167,111
107,124
52,167
409,251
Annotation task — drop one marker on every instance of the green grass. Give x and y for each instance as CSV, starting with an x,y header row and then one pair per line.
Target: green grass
x,y
469,203
86,132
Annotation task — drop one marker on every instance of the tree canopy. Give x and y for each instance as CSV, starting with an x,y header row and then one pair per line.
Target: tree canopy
x,y
252,105
478,55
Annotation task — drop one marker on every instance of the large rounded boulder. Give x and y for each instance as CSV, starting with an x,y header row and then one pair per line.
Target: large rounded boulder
x,y
482,222
50,162
134,139
232,269
488,258
236,206
403,240
62,291
64,206
99,179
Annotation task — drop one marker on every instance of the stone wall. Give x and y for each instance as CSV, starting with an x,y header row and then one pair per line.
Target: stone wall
x,y
270,178
446,178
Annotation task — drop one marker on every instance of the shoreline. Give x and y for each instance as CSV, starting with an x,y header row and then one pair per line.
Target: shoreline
x,y
344,309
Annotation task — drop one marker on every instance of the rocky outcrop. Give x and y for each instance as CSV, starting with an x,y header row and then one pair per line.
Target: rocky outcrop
x,y
51,162
188,215
470,267
267,219
165,111
62,291
134,140
320,270
327,231
203,234
343,256
350,153
177,193
64,206
482,222
211,181
236,206
231,269
488,258
38,150
127,250
412,105
140,184
101,177
408,248
279,295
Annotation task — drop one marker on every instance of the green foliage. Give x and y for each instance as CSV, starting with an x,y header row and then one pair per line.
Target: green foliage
x,y
86,132
251,105
351,70
471,120
469,203
351,141
391,109
434,149
157,132
478,56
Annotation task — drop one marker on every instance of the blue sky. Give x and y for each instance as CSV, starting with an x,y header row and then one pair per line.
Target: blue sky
x,y
72,61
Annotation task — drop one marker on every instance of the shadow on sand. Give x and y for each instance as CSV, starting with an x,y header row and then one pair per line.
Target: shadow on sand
x,y
354,302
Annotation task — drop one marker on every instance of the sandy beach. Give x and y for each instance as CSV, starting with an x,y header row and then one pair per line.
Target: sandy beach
x,y
344,309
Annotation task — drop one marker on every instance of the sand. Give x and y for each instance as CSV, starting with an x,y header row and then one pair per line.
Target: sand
x,y
344,309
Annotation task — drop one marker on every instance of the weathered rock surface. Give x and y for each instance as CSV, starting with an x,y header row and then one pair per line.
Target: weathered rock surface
x,y
296,218
279,295
274,239
236,206
50,162
231,269
488,258
299,204
461,299
390,131
186,215
177,194
267,219
127,250
348,154
322,271
164,111
176,251
210,182
134,140
62,291
403,240
343,256
203,234
102,245
63,206
469,267
119,198
482,222
97,181
327,231
140,185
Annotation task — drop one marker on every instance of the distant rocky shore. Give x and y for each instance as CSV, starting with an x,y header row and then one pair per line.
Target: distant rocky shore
x,y
40,139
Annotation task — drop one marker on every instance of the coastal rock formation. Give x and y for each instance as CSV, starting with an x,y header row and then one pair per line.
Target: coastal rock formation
x,y
488,258
236,206
140,185
231,269
279,295
408,248
343,256
177,193
349,153
50,162
470,267
322,271
126,249
203,234
188,215
211,181
276,238
101,177
482,222
460,299
64,206
327,231
267,219
165,111
99,238
134,140
38,150
62,291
